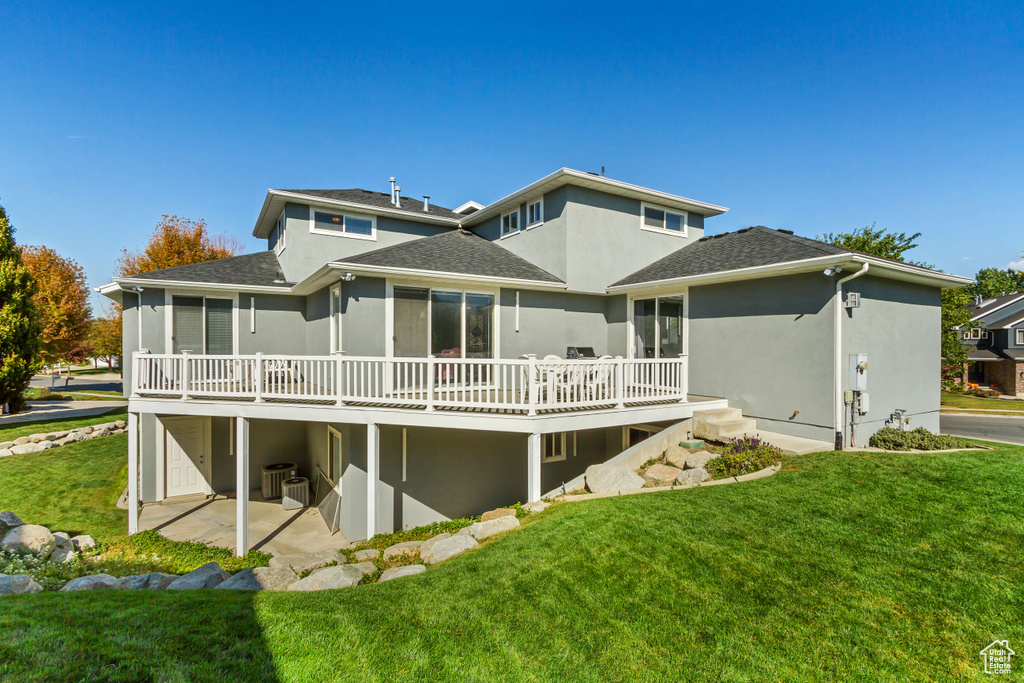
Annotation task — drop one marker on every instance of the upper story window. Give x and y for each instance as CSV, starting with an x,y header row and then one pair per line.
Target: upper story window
x,y
346,224
510,223
277,235
535,213
656,218
975,333
1020,337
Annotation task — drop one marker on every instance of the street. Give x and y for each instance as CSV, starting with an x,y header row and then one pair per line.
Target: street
x,y
993,427
105,382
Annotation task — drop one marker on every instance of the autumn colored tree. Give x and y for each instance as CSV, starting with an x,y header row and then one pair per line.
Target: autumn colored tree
x,y
177,242
105,337
19,327
62,302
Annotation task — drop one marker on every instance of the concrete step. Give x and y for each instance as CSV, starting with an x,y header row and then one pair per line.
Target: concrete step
x,y
723,430
702,418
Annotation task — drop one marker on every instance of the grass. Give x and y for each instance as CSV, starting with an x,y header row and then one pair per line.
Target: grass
x,y
71,394
964,402
844,566
25,428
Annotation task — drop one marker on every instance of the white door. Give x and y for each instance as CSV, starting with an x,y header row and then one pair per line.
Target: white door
x,y
186,457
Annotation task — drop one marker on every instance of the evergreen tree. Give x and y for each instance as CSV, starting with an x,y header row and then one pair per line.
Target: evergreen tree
x,y
19,326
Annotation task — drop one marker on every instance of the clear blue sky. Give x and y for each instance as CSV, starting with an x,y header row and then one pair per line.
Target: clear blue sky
x,y
815,116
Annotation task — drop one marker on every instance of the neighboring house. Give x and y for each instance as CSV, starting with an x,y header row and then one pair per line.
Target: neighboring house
x,y
994,340
414,354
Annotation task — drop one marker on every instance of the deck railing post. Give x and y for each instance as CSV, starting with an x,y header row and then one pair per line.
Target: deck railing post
x,y
430,383
534,384
340,371
620,381
258,377
684,377
136,371
185,375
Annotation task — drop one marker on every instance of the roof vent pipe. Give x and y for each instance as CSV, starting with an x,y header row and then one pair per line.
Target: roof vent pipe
x,y
398,196
426,202
392,179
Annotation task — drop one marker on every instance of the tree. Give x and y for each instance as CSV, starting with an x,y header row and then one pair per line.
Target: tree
x,y
19,328
105,338
879,242
991,282
62,302
177,242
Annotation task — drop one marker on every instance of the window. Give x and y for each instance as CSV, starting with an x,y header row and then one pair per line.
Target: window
x,y
277,235
556,446
1020,337
535,213
655,218
344,224
975,333
202,325
336,318
510,223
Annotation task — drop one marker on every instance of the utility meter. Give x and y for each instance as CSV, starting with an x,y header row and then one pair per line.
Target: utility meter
x,y
859,372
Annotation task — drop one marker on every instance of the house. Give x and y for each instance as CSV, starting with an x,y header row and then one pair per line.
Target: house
x,y
419,360
994,341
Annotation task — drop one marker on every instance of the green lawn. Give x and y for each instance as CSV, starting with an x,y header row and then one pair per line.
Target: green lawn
x,y
25,428
844,566
977,403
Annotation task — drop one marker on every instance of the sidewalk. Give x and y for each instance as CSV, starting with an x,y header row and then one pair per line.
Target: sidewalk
x,y
39,411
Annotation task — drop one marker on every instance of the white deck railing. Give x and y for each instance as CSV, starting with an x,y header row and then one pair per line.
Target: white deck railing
x,y
490,384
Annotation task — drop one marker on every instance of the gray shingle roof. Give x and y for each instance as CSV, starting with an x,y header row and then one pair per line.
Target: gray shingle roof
x,y
746,248
992,303
1008,315
458,251
377,200
260,269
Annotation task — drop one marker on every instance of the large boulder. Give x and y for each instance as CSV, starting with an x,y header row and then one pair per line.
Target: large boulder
x,y
91,583
210,575
120,424
399,572
495,514
301,562
449,547
29,539
342,576
21,441
365,567
9,520
6,444
24,448
661,475
16,584
398,549
99,433
538,506
73,437
260,579
63,540
605,478
46,445
62,555
83,542
151,581
431,542
367,554
692,477
4,452
676,456
482,530
699,459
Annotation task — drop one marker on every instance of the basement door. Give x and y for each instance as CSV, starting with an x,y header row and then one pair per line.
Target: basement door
x,y
186,456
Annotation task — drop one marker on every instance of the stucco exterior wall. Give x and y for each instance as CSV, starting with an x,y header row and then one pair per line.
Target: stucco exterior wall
x,y
276,316
152,328
551,321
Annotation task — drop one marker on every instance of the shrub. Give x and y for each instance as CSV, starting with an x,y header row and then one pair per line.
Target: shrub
x,y
892,439
743,456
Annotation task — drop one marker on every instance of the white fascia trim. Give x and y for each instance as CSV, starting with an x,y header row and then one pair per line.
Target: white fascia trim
x,y
613,185
1000,306
323,201
376,271
1011,325
468,205
794,267
208,286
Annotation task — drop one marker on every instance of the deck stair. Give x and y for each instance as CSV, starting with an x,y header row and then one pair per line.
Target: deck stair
x,y
722,424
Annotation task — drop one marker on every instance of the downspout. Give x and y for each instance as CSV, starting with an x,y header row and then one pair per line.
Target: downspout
x,y
838,338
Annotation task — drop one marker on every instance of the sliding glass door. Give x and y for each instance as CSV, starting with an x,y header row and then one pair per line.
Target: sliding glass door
x,y
443,323
659,327
202,325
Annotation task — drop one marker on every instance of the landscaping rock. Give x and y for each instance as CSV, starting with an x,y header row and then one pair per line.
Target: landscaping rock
x,y
29,539
482,530
63,541
604,478
59,435
6,444
367,554
109,426
4,452
91,583
62,555
407,548
495,514
676,456
46,445
99,433
260,579
699,459
21,449
399,572
661,475
17,584
431,542
73,437
153,581
305,561
21,441
210,575
83,542
81,430
539,506
120,424
692,477
449,547
342,576
365,567
9,520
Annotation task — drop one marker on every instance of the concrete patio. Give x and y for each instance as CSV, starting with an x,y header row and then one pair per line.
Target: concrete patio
x,y
272,529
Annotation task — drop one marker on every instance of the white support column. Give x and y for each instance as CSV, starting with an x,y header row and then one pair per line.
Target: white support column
x,y
372,476
533,468
133,473
241,486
